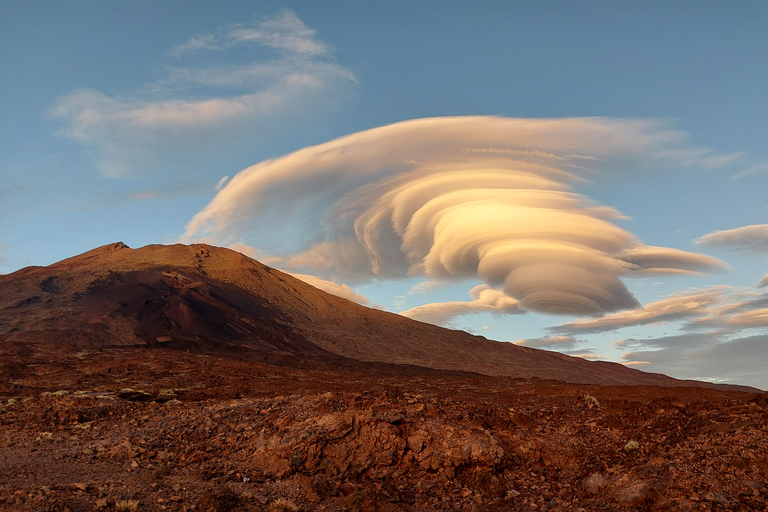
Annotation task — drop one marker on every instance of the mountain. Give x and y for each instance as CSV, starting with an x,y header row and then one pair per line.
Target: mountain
x,y
209,299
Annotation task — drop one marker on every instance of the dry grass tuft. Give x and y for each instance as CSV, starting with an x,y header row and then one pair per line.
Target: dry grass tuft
x,y
127,505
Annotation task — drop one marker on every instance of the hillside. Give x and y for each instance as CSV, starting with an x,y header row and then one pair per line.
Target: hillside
x,y
205,298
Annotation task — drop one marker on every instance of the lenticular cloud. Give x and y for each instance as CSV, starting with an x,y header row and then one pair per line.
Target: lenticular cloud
x,y
471,197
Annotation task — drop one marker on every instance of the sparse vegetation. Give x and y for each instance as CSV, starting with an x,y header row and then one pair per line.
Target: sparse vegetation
x,y
631,446
127,505
283,505
591,402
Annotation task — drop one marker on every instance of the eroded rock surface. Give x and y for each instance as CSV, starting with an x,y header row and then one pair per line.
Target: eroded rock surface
x,y
177,431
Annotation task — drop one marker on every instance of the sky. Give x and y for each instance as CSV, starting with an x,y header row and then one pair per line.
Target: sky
x,y
586,177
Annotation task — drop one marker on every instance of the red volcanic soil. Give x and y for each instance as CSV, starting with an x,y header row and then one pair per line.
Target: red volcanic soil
x,y
193,378
83,428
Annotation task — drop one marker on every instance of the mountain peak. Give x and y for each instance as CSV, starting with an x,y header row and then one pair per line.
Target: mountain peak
x,y
210,298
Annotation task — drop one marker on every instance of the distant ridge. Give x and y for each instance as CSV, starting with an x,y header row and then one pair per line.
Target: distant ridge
x,y
209,298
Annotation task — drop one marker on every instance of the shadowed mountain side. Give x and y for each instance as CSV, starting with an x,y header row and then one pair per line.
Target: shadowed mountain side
x,y
208,298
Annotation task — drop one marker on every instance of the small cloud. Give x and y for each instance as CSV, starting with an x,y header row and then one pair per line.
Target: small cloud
x,y
590,354
750,171
666,260
340,290
251,252
427,287
194,45
284,32
486,299
164,191
557,343
747,241
223,181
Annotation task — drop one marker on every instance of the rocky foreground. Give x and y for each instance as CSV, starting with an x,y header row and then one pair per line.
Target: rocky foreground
x,y
137,429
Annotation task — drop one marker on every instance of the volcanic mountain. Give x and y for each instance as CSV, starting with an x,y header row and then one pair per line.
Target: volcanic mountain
x,y
209,299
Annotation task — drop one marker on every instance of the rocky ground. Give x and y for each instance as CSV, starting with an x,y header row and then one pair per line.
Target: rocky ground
x,y
148,430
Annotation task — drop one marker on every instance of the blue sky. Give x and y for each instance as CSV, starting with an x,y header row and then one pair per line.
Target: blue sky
x,y
630,225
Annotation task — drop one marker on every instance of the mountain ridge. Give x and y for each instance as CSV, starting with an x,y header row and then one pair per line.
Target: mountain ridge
x,y
204,297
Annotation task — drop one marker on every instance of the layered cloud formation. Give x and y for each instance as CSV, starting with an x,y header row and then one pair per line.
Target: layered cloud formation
x,y
721,331
196,108
679,307
483,198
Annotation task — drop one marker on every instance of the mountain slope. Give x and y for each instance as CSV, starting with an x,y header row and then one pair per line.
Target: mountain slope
x,y
208,298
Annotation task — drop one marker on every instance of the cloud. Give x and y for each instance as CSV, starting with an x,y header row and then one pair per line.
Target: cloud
x,y
486,299
249,251
665,260
758,168
699,356
674,308
675,342
460,198
197,110
340,290
427,287
285,32
714,307
159,192
763,282
223,181
739,315
557,343
748,240
194,45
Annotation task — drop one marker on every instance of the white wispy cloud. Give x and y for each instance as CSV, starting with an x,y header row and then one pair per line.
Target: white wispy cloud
x,y
196,109
195,44
427,287
557,343
747,240
285,32
461,198
223,181
758,168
